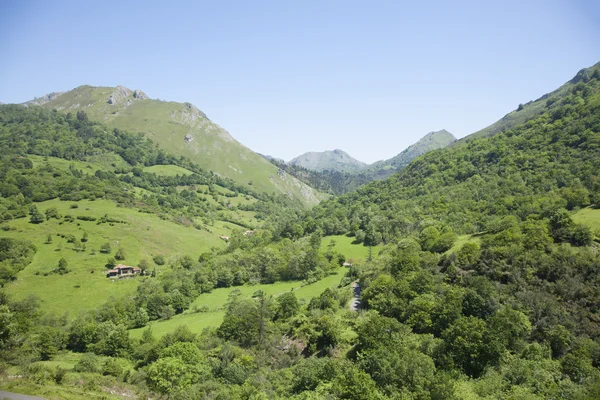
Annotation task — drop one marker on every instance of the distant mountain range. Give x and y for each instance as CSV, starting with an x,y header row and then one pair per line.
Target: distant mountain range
x,y
337,172
181,129
340,161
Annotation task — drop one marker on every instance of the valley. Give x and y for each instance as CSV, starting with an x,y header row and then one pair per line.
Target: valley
x,y
477,259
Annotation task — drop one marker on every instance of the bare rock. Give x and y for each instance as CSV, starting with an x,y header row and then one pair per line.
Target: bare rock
x,y
139,95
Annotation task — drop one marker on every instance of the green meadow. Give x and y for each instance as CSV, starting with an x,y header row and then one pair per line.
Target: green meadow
x,y
167,170
590,217
346,246
142,235
461,240
214,303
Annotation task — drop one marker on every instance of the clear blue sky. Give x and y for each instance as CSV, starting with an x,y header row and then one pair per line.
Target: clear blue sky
x,y
286,77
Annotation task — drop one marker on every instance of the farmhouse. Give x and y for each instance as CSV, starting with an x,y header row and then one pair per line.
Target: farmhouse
x,y
122,271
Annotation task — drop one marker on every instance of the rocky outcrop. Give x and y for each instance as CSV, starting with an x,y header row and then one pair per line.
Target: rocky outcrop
x,y
44,99
119,95
139,95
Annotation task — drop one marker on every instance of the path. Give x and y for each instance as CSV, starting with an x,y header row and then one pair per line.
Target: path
x,y
17,396
355,303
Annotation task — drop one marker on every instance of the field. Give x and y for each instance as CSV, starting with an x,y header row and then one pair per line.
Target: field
x,y
167,170
590,217
85,287
461,240
344,245
217,299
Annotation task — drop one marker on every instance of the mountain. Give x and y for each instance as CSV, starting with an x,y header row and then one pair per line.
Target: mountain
x,y
337,173
181,129
431,141
533,109
336,160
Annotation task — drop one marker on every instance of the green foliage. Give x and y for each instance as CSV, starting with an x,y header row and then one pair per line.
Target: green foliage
x,y
105,248
120,254
63,267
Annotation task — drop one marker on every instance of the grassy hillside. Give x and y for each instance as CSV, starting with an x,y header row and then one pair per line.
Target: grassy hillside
x,y
429,142
141,235
533,109
182,129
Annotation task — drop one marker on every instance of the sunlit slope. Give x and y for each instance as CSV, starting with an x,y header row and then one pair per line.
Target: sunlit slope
x,y
182,129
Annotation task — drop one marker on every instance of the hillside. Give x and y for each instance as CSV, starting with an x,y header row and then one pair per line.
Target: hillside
x,y
183,130
63,177
533,109
336,160
429,142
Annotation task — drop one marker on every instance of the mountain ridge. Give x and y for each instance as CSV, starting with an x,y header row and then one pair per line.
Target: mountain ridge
x,y
182,129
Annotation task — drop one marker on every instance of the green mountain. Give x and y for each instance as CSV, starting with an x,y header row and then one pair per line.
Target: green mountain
x,y
181,129
533,109
336,160
429,142
69,185
344,174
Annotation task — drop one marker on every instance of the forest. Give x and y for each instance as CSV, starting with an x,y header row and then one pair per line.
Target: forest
x,y
483,283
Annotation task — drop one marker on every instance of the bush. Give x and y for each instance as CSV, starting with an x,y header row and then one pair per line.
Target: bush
x,y
120,255
159,259
105,248
88,363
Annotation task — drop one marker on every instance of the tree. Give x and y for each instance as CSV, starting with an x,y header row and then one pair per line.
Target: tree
x,y
105,248
63,267
84,238
120,254
170,374
52,212
49,238
468,345
287,305
35,216
159,259
143,265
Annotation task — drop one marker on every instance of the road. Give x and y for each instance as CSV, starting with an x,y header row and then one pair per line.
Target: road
x,y
17,396
355,303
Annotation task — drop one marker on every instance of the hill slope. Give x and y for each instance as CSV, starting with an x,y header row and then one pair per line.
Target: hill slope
x,y
181,129
336,160
533,109
431,141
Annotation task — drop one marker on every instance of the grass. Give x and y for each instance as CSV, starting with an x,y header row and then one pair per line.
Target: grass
x,y
217,299
589,216
168,123
346,246
86,286
167,170
461,240
105,162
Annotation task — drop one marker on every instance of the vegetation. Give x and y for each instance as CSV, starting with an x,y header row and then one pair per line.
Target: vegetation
x,y
477,268
180,129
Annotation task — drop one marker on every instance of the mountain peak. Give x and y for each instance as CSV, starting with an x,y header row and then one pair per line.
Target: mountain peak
x,y
333,160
